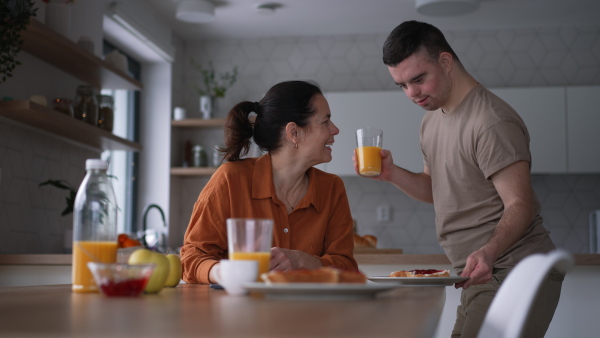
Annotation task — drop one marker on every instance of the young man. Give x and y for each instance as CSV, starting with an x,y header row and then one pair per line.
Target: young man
x,y
476,173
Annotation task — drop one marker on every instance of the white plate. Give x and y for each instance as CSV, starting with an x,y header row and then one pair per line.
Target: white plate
x,y
418,281
317,291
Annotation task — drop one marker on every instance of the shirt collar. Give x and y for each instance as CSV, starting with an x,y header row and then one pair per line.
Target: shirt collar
x,y
263,186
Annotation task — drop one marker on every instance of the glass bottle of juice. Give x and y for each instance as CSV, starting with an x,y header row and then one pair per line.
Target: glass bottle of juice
x,y
94,225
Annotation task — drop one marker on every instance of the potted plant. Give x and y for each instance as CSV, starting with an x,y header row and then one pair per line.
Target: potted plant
x,y
14,18
215,86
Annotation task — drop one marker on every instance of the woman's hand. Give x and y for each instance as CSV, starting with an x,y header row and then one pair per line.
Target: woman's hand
x,y
286,259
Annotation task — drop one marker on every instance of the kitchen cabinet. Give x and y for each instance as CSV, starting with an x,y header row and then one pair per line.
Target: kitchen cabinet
x,y
196,123
583,121
59,51
543,111
390,111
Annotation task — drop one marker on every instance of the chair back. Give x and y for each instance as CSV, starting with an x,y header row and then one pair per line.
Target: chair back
x,y
507,315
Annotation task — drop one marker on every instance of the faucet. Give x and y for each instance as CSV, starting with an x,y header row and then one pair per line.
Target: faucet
x,y
144,228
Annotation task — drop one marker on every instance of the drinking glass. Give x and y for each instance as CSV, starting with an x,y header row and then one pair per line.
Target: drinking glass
x,y
250,239
368,146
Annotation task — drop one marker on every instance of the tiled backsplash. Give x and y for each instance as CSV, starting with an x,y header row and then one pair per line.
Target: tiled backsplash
x,y
566,203
30,216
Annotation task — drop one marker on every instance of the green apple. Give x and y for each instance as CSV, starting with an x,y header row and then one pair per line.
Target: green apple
x,y
161,268
175,270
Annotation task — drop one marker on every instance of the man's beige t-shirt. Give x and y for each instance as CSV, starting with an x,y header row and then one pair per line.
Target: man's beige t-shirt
x,y
462,150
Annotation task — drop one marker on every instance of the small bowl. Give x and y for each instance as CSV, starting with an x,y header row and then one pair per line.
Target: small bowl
x,y
121,280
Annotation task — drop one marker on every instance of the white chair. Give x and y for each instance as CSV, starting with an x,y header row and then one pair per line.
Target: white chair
x,y
507,315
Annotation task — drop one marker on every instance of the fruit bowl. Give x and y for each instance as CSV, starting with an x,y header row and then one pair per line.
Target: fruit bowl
x,y
121,280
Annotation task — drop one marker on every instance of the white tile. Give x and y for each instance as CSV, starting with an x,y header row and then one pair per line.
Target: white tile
x,y
522,60
474,53
296,59
587,200
339,66
310,48
282,51
584,39
489,42
554,219
568,35
553,77
369,46
339,49
310,68
569,68
521,41
506,70
324,76
552,41
586,76
251,49
537,51
585,58
523,77
553,59
354,57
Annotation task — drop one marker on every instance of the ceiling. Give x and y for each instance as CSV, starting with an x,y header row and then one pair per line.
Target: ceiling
x,y
238,19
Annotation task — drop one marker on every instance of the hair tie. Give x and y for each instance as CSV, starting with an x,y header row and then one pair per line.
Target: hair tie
x,y
256,107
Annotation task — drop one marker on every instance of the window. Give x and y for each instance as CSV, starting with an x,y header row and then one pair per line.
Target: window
x,y
123,164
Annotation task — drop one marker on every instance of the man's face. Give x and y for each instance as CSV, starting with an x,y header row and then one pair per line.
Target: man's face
x,y
423,80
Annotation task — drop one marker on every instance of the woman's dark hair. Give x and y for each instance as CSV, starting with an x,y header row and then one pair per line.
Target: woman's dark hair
x,y
409,37
285,102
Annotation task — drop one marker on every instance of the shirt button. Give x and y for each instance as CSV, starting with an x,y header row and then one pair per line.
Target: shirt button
x,y
286,230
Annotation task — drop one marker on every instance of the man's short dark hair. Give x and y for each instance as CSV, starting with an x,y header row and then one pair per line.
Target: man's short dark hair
x,y
409,37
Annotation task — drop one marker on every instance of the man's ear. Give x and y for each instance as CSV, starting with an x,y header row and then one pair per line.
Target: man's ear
x,y
446,61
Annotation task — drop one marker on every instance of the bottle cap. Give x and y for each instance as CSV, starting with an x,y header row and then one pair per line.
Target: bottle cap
x,y
95,163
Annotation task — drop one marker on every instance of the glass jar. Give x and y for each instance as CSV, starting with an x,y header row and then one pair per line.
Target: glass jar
x,y
85,105
106,115
200,157
63,105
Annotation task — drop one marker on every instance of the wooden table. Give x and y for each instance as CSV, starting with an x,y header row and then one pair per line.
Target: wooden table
x,y
199,311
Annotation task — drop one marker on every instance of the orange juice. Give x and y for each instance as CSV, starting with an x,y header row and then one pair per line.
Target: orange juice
x,y
369,160
263,258
88,251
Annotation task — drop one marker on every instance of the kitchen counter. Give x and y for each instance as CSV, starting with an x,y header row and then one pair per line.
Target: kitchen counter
x,y
381,256
198,311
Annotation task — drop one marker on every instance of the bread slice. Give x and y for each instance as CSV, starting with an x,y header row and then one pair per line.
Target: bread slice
x,y
321,275
421,273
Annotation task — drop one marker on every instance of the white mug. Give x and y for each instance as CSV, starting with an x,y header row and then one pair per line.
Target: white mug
x,y
178,113
231,275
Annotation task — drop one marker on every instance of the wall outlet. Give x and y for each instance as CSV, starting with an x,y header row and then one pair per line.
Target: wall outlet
x,y
384,213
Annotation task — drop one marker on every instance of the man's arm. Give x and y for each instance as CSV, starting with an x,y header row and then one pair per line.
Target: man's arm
x,y
514,187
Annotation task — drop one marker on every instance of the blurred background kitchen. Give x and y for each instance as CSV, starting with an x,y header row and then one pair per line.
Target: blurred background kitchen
x,y
552,46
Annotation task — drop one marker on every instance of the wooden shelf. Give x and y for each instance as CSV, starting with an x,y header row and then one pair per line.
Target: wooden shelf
x,y
61,52
192,171
198,123
43,118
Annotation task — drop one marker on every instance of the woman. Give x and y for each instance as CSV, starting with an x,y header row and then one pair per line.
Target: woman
x,y
312,221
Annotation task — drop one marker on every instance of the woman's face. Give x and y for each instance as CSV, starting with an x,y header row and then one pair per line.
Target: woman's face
x,y
319,134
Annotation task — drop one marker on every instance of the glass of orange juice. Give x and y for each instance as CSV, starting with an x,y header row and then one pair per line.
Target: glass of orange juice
x,y
368,145
250,239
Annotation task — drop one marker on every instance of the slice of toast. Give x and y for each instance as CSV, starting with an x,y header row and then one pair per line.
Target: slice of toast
x,y
421,273
321,275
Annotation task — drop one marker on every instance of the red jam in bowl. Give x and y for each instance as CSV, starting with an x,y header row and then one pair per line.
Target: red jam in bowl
x,y
127,288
